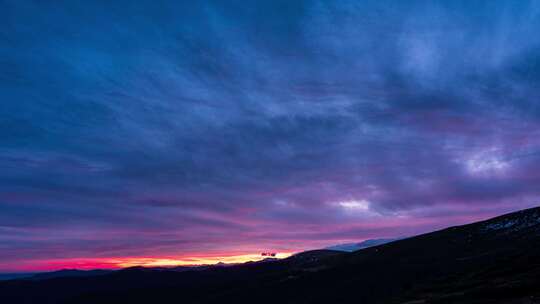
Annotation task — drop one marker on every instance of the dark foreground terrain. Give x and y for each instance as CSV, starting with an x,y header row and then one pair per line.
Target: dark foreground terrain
x,y
494,261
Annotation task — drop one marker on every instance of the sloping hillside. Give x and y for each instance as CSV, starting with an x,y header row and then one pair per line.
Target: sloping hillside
x,y
494,261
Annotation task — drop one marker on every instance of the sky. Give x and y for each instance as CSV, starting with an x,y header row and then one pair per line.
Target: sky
x,y
178,132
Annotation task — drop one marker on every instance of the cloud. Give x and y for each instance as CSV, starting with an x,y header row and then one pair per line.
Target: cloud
x,y
191,127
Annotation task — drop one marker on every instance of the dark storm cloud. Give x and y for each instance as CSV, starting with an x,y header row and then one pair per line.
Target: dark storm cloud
x,y
231,123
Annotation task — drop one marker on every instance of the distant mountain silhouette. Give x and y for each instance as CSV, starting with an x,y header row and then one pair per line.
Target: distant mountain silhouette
x,y
493,261
350,247
68,273
13,276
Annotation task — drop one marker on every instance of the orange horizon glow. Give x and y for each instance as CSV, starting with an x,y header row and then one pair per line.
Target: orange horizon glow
x,y
125,262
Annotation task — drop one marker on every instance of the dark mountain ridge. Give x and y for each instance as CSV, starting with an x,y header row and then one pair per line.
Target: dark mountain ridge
x,y
493,261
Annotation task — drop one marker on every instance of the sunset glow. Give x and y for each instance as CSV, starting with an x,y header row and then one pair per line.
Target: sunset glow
x,y
124,262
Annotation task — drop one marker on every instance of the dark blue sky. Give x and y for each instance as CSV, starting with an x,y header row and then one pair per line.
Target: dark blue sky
x,y
178,129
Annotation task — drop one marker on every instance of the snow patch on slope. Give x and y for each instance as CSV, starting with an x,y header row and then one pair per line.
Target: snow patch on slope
x,y
516,223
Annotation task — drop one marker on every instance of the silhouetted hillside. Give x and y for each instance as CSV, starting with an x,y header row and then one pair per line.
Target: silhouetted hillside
x,y
494,261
